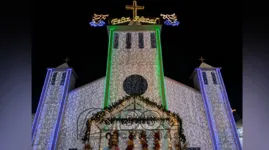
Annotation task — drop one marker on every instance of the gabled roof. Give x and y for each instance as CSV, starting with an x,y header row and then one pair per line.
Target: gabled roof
x,y
65,66
204,65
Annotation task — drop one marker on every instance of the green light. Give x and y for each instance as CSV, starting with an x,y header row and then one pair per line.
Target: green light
x,y
159,63
160,68
108,70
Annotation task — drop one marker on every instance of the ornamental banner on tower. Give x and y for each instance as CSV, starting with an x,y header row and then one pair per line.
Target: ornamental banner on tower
x,y
99,20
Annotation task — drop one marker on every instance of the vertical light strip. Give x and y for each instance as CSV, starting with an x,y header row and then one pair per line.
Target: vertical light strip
x,y
164,102
108,70
229,110
60,114
40,103
208,110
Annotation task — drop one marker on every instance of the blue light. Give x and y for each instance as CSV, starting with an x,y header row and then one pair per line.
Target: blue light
x,y
100,23
230,115
60,113
169,23
208,109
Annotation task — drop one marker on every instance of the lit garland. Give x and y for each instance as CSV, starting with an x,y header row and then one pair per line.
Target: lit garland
x,y
130,145
169,140
157,138
87,147
143,140
136,120
115,139
99,117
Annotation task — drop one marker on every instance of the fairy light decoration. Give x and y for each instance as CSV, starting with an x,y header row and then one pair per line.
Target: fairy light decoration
x,y
98,20
170,20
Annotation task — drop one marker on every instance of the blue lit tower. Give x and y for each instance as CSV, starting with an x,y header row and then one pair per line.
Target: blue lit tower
x,y
51,105
209,81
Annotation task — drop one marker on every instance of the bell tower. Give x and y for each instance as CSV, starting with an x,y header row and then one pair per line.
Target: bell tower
x,y
209,81
134,64
134,56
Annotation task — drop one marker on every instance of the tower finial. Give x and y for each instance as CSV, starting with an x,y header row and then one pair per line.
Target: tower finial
x,y
201,59
66,59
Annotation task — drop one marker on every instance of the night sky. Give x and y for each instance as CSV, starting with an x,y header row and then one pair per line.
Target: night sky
x,y
207,29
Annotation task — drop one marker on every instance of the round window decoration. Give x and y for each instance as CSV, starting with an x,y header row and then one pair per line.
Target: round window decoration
x,y
135,85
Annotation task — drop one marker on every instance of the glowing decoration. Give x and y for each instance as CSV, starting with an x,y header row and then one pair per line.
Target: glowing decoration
x,y
121,20
136,19
98,20
169,23
146,20
134,8
170,20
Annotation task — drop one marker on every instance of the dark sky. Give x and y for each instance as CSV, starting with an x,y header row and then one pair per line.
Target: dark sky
x,y
208,28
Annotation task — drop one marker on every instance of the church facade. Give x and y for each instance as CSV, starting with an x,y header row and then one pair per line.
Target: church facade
x,y
134,81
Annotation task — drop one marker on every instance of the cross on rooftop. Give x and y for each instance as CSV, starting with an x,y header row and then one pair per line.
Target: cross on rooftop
x,y
66,59
202,59
134,7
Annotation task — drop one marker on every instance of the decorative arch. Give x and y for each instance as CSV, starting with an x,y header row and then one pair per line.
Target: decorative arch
x,y
119,119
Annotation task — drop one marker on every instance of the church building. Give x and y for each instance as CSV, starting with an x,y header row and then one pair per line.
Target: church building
x,y
134,106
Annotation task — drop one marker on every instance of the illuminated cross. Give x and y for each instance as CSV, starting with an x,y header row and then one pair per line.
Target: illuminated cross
x,y
134,7
66,59
202,59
